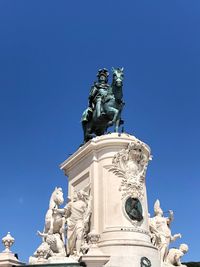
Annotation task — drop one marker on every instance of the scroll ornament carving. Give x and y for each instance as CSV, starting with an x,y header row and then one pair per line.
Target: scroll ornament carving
x,y
130,165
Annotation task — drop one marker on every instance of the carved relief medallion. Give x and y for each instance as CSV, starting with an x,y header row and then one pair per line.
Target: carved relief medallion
x,y
130,165
133,209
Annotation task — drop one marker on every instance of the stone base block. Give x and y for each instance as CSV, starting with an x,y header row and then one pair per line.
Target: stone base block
x,y
137,256
8,259
95,260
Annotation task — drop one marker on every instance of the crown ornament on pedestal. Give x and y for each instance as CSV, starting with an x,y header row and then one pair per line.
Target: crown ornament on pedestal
x,y
8,241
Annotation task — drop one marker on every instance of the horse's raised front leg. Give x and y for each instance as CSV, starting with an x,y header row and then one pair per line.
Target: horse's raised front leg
x,y
118,121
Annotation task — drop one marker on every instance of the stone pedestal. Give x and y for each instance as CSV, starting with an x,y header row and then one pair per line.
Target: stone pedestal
x,y
115,166
8,259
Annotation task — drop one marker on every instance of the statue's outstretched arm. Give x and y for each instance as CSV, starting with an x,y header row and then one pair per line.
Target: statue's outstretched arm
x,y
174,237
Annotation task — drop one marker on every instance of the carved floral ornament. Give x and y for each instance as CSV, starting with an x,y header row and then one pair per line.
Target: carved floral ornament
x,y
130,165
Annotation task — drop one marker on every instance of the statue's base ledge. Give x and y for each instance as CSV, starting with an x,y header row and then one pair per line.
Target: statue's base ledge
x,y
166,264
95,260
62,260
59,264
124,261
8,259
54,261
121,256
117,140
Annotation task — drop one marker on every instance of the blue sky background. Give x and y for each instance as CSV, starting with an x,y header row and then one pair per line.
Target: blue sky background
x,y
50,52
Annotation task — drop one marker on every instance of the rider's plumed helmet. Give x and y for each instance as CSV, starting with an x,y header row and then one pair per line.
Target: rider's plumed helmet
x,y
103,72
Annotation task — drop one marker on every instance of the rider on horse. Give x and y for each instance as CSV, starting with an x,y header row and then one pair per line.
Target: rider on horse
x,y
97,95
105,105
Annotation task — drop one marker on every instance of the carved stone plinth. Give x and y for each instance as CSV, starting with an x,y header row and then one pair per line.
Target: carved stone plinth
x,y
115,167
7,258
95,260
95,257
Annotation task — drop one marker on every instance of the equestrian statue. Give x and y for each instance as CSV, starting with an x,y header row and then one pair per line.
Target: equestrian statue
x,y
105,104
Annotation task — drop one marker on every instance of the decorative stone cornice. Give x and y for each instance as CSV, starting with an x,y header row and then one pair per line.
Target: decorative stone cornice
x,y
96,144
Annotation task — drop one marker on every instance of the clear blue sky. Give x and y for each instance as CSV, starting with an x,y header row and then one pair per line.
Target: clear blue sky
x,y
50,52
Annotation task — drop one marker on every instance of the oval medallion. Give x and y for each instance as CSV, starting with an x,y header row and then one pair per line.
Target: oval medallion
x,y
133,208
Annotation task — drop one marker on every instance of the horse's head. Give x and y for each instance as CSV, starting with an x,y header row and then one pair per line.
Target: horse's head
x,y
118,76
57,196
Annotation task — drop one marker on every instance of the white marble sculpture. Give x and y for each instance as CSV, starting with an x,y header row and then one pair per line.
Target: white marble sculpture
x,y
41,255
53,237
56,244
55,222
52,248
8,241
161,235
175,254
75,218
130,164
78,213
7,258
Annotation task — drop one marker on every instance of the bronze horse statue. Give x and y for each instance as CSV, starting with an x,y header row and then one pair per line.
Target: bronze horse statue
x,y
111,109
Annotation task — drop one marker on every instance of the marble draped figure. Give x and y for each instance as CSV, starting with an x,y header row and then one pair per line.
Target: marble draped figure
x,y
161,237
78,214
66,229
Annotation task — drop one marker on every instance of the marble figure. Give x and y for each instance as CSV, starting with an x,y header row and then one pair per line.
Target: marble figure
x,y
54,222
78,213
160,230
175,254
